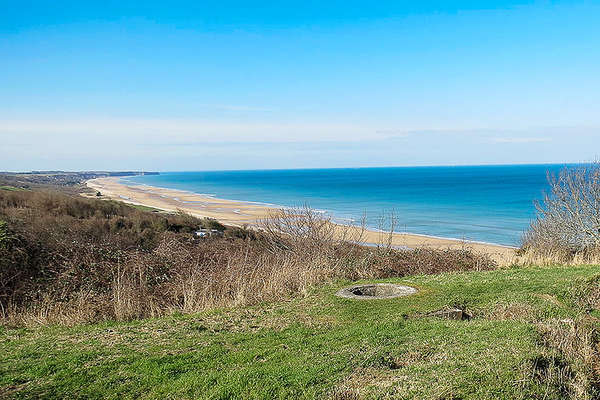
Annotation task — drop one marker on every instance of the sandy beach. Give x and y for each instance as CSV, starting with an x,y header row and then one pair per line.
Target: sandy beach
x,y
238,213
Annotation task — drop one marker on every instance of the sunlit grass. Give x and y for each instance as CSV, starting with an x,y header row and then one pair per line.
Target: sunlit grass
x,y
314,346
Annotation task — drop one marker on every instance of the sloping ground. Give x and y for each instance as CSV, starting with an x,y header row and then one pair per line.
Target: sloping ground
x,y
67,259
531,335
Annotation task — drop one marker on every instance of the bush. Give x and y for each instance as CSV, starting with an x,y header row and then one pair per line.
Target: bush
x,y
568,222
67,259
210,223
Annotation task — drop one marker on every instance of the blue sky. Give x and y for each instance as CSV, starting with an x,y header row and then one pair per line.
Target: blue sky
x,y
297,84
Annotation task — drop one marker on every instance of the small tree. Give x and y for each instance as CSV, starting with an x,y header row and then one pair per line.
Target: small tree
x,y
569,215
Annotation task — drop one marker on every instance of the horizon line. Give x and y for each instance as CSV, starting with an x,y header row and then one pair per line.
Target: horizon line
x,y
566,163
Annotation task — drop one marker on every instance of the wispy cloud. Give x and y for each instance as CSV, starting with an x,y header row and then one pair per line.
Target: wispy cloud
x,y
521,140
187,144
182,130
393,132
235,107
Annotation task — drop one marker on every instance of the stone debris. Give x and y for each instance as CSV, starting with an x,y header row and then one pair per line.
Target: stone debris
x,y
451,313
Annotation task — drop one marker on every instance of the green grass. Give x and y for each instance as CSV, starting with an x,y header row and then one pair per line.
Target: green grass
x,y
312,347
144,208
11,188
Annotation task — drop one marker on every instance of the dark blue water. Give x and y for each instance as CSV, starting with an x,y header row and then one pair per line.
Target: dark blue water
x,y
483,203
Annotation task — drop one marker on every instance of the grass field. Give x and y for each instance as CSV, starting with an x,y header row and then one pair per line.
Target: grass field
x,y
145,208
321,346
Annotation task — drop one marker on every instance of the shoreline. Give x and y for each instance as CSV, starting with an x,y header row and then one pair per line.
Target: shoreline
x,y
239,213
276,207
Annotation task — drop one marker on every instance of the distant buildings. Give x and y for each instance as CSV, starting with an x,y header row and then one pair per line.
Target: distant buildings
x,y
204,233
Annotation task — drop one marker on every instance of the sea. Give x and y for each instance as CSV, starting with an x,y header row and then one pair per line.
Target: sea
x,y
492,204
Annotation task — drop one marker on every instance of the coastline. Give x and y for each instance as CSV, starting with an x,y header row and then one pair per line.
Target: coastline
x,y
238,213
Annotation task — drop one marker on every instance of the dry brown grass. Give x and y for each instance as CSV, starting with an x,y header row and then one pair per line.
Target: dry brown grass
x,y
552,255
573,363
571,346
512,312
68,260
345,393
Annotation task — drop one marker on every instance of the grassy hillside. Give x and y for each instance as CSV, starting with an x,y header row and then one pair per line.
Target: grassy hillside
x,y
99,299
532,335
68,259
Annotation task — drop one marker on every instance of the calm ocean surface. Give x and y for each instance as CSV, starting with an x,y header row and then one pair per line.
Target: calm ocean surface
x,y
483,203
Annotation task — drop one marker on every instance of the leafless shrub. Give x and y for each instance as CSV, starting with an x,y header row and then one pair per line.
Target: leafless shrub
x,y
305,229
66,260
386,226
568,223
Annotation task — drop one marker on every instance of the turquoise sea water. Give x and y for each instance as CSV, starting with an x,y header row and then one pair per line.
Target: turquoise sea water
x,y
482,203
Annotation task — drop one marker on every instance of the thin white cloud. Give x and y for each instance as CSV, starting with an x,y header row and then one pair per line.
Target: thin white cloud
x,y
183,130
187,144
393,132
234,107
521,140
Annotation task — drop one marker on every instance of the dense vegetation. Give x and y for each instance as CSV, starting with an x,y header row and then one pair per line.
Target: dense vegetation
x,y
68,259
57,179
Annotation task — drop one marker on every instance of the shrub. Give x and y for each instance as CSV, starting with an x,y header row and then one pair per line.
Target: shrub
x,y
67,259
568,222
210,223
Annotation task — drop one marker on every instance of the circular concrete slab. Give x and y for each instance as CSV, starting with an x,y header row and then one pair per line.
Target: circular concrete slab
x,y
372,291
